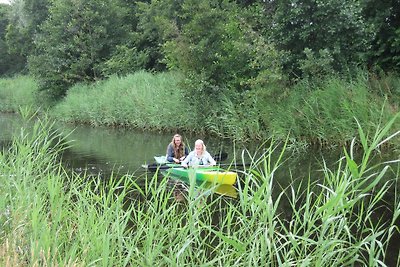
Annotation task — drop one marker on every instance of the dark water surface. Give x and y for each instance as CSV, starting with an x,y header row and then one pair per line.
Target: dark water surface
x,y
126,150
102,150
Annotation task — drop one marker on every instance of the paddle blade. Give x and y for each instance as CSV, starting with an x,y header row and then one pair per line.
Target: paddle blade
x,y
221,156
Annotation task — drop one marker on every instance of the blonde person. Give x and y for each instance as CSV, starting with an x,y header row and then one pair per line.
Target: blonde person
x,y
199,156
176,150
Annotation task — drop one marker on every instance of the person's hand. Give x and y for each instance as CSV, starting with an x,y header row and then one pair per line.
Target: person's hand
x,y
182,158
185,166
176,160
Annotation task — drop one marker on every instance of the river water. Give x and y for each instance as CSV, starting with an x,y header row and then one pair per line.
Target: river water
x,y
102,148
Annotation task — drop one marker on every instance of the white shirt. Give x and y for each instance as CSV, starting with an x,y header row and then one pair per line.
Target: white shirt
x,y
195,160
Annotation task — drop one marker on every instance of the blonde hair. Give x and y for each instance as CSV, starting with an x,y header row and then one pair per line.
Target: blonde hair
x,y
200,142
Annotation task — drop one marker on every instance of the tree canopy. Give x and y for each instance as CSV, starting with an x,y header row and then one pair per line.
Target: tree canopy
x,y
225,46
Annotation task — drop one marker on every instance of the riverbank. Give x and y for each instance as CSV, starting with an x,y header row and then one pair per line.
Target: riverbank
x,y
323,114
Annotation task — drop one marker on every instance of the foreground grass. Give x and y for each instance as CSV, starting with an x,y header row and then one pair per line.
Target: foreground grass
x,y
49,217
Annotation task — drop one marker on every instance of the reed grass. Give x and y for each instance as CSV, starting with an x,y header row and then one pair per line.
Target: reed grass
x,y
141,100
324,113
310,113
52,217
16,92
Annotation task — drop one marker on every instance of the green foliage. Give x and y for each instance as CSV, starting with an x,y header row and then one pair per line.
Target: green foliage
x,y
387,85
125,60
221,53
334,27
237,120
383,20
75,40
325,113
25,19
337,217
316,66
219,44
10,62
158,23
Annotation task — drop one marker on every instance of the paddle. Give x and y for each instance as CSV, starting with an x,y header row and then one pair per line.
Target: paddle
x,y
221,156
153,167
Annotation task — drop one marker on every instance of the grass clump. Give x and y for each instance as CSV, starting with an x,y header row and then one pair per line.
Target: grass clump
x,y
311,113
141,100
16,92
324,114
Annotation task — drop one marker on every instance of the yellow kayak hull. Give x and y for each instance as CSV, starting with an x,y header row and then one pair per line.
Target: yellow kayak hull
x,y
207,174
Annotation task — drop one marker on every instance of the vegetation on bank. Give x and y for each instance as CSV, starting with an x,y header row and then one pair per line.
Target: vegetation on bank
x,y
50,217
324,113
141,100
16,92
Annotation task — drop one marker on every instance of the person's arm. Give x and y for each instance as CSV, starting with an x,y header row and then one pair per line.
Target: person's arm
x,y
170,153
186,161
211,160
186,154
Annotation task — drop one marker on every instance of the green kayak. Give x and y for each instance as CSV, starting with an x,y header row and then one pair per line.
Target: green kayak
x,y
212,174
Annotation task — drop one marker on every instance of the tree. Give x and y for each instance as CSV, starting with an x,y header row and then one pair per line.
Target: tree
x,y
225,55
158,22
75,41
384,21
219,45
130,55
327,28
10,63
25,19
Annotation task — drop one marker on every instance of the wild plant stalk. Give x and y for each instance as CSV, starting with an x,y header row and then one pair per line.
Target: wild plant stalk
x,y
323,114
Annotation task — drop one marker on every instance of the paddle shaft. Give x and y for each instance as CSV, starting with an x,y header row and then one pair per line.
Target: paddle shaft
x,y
165,167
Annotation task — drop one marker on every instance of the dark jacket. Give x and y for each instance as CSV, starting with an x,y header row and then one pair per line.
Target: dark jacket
x,y
171,154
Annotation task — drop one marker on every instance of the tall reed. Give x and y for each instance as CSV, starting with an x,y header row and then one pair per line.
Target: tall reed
x,y
17,92
141,100
51,217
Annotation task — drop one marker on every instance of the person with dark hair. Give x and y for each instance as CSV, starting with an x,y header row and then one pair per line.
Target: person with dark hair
x,y
176,150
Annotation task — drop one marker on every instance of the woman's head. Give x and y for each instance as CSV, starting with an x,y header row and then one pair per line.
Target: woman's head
x,y
199,146
177,140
